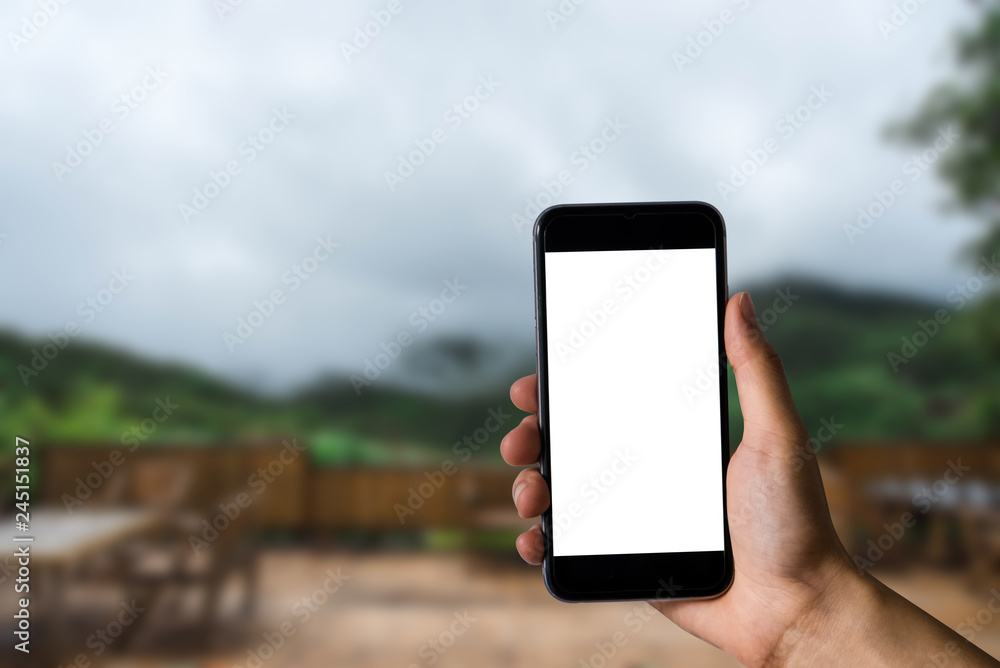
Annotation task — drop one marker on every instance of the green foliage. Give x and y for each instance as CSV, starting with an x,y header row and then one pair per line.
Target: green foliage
x,y
971,103
834,345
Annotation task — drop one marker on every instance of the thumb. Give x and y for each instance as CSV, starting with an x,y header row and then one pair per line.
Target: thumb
x,y
766,401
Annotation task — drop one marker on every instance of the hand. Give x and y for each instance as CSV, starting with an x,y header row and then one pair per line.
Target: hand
x,y
795,588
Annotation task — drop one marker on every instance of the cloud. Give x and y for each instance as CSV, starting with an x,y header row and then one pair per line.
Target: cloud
x,y
325,174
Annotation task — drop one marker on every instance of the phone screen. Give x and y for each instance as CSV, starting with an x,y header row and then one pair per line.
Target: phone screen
x,y
634,401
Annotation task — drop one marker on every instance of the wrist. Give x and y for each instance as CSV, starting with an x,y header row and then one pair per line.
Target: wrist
x,y
841,610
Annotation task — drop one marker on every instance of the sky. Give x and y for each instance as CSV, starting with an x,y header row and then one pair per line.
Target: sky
x,y
181,164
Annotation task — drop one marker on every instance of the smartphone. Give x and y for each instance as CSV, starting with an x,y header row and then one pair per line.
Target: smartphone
x,y
633,410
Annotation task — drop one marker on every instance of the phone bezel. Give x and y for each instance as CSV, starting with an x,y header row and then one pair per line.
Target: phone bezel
x,y
628,226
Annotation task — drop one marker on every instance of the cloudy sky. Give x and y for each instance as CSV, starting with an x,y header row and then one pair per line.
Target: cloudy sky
x,y
116,117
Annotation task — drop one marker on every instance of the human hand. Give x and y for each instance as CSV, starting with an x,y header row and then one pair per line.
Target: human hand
x,y
795,588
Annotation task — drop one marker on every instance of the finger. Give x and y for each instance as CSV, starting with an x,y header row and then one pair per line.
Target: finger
x,y
531,545
522,445
524,393
531,493
765,398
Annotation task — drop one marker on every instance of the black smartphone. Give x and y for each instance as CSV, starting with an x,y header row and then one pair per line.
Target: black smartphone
x,y
632,390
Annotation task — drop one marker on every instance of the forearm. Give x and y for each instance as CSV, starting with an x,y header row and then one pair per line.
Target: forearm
x,y
864,623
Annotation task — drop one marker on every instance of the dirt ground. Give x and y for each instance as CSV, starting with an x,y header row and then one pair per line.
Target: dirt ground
x,y
389,608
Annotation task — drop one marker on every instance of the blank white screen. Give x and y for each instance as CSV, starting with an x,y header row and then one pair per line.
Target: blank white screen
x,y
634,420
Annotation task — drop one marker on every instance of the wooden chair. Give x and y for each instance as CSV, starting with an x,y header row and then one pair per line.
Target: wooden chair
x,y
188,557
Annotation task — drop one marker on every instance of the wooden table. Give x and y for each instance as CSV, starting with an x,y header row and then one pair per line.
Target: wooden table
x,y
62,541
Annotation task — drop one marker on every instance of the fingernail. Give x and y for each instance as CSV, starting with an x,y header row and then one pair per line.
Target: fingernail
x,y
518,490
746,307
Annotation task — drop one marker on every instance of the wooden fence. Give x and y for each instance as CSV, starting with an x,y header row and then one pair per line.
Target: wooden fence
x,y
286,489
868,486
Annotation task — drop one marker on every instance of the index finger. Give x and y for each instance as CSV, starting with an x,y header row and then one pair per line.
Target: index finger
x,y
524,393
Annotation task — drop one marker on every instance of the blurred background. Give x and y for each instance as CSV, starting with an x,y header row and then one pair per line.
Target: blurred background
x,y
267,278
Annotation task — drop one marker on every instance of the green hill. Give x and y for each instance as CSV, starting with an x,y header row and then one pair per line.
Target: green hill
x,y
834,344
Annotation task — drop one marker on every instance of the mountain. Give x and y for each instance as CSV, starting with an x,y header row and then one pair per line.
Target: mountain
x,y
880,366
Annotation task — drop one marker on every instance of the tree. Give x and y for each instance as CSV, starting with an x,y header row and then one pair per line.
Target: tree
x,y
971,105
